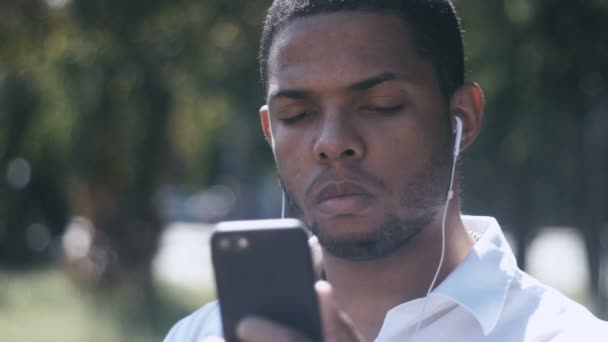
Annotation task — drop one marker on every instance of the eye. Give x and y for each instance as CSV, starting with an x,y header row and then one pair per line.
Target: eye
x,y
294,118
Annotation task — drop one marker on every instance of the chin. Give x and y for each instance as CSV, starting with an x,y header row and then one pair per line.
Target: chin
x,y
344,226
361,240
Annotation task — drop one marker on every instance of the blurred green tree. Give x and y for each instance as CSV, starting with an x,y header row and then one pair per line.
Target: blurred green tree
x,y
33,200
127,97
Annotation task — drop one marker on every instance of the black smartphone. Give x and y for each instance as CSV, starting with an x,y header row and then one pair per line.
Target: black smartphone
x,y
264,268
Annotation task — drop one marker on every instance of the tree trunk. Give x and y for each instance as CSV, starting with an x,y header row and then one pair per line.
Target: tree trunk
x,y
595,184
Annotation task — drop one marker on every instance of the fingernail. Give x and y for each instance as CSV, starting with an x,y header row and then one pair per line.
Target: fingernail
x,y
244,326
313,241
322,286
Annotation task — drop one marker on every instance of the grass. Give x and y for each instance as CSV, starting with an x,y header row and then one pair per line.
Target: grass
x,y
47,306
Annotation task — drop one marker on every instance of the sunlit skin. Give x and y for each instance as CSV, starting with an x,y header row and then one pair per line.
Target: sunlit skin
x,y
356,112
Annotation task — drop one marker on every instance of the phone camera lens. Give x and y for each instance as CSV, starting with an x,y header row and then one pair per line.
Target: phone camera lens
x,y
224,243
242,243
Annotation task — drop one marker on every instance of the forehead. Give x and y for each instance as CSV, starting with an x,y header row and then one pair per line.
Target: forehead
x,y
337,49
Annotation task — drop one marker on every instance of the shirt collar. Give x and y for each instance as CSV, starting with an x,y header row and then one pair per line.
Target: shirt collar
x,y
481,282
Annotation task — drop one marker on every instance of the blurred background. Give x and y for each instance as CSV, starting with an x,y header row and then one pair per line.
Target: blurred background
x,y
127,128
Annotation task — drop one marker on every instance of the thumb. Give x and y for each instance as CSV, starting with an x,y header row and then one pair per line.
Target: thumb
x,y
317,256
337,326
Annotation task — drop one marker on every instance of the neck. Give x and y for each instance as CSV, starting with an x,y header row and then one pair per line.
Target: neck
x,y
367,290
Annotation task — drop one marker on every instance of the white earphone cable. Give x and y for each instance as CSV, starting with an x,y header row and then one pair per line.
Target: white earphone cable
x,y
445,213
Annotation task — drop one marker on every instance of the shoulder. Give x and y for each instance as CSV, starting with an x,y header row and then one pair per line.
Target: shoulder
x,y
204,322
549,315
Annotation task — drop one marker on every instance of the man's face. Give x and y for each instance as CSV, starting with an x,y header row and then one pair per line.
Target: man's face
x,y
360,131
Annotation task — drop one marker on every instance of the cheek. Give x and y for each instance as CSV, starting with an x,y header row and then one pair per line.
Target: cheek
x,y
293,164
291,168
399,153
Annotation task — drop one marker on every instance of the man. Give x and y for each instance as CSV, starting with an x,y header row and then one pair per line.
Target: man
x,y
362,100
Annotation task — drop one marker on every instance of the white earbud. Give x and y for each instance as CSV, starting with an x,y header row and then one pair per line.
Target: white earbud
x,y
264,108
458,131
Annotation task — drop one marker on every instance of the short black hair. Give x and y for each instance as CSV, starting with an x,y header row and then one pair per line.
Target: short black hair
x,y
434,25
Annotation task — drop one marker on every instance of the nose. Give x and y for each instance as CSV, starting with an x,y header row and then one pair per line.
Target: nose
x,y
338,140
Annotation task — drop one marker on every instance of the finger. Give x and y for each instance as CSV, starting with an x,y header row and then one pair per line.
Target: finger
x,y
256,329
317,256
337,326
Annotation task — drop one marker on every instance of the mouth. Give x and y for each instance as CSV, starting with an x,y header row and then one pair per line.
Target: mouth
x,y
343,198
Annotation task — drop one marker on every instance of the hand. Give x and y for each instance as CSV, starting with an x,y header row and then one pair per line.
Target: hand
x,y
337,326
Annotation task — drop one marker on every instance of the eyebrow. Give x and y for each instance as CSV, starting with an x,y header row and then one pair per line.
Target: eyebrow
x,y
365,84
375,80
292,94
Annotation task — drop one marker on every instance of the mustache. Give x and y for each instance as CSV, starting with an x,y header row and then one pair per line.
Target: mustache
x,y
356,175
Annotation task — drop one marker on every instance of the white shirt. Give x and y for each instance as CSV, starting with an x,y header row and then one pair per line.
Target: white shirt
x,y
486,298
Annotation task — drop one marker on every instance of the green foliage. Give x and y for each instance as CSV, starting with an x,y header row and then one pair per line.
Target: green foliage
x,y
124,97
46,306
542,66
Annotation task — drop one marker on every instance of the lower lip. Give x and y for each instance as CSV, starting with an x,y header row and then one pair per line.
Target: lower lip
x,y
345,205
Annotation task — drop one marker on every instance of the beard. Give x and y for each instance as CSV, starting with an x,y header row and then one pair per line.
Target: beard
x,y
422,199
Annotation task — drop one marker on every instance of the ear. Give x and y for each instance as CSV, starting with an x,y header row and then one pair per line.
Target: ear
x,y
265,122
468,103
